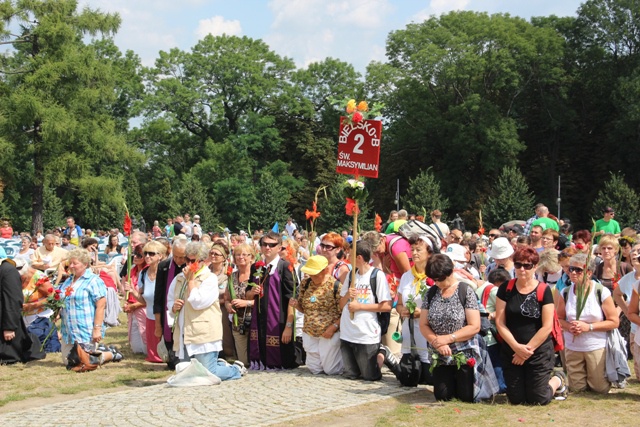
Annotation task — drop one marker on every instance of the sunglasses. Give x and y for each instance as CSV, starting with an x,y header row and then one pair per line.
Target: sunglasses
x,y
519,265
575,269
271,245
150,253
138,255
327,247
494,235
191,261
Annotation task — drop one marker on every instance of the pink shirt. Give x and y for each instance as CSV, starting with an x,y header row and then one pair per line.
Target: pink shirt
x,y
400,245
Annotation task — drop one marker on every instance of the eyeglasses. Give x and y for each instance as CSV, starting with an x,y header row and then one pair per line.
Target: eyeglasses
x,y
150,253
191,261
573,269
519,265
271,245
215,254
327,247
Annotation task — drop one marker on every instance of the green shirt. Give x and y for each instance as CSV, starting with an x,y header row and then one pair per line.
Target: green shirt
x,y
609,227
545,223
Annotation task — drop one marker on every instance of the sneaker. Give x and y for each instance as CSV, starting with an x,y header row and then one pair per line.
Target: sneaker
x,y
562,391
223,361
390,359
240,365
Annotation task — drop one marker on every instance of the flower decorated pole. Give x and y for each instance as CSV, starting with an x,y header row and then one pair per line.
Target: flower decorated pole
x,y
583,288
354,192
312,215
126,227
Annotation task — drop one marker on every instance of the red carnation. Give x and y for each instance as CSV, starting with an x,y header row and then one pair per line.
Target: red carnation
x,y
357,117
58,291
259,264
56,296
50,290
471,362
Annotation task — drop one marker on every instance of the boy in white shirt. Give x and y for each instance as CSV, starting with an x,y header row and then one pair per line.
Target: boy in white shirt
x,y
360,336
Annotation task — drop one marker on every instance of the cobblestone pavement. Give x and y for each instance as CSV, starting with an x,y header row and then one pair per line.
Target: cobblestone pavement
x,y
267,398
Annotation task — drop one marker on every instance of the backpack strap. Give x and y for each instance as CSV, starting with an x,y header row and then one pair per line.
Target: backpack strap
x,y
462,293
395,239
439,231
373,283
431,293
540,291
485,294
511,284
336,285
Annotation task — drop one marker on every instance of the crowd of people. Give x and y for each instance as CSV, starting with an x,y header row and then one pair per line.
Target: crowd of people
x,y
532,309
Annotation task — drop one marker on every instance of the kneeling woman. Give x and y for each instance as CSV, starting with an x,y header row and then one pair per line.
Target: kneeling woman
x,y
585,339
525,324
319,301
194,310
450,320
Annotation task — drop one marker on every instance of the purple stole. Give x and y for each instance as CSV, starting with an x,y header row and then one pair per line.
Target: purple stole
x,y
171,274
264,343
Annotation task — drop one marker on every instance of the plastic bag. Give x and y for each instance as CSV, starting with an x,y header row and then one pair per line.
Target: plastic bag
x,y
163,353
192,374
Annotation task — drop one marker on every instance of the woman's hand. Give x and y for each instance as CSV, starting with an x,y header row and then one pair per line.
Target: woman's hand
x,y
177,305
517,360
403,311
240,303
441,340
9,335
416,313
158,330
444,350
293,303
96,335
328,333
577,327
523,351
286,335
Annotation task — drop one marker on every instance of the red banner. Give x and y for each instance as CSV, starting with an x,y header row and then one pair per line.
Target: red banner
x,y
359,148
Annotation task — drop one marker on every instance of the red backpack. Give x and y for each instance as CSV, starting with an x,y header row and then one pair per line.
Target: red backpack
x,y
556,329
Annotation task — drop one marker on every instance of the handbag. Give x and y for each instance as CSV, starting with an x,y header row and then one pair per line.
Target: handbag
x,y
81,360
410,367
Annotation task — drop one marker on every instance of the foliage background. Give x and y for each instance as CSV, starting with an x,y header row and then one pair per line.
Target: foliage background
x,y
236,133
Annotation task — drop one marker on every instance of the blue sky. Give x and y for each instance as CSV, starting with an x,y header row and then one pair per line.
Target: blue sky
x,y
353,31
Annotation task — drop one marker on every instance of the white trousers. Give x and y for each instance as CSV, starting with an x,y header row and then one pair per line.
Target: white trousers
x,y
323,355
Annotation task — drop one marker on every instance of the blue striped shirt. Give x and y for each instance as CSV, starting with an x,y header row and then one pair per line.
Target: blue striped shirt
x,y
80,307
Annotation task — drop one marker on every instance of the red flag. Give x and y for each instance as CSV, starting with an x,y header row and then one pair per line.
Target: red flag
x,y
127,224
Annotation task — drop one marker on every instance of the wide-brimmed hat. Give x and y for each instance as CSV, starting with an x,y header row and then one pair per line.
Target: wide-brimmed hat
x,y
456,252
315,265
500,248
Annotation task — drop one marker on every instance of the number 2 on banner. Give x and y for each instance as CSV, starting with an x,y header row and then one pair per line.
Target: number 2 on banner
x,y
360,140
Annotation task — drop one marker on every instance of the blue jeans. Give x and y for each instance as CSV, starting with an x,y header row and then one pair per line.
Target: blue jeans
x,y
360,360
496,361
220,369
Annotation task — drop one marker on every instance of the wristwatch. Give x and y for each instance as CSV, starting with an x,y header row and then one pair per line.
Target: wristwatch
x,y
289,324
590,327
335,325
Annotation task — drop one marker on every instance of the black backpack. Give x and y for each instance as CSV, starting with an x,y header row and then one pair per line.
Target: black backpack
x,y
409,370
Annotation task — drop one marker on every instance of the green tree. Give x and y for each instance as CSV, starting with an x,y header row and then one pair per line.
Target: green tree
x,y
53,210
622,198
424,194
333,214
510,198
60,98
272,200
195,201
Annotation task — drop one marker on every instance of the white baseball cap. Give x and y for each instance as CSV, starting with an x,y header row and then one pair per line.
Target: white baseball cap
x,y
456,252
500,248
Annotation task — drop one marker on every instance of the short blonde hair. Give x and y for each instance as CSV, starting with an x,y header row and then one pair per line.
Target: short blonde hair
x,y
610,239
81,255
246,248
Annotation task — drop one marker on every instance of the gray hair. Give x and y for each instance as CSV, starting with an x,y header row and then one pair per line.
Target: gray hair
x,y
583,259
198,250
179,243
81,255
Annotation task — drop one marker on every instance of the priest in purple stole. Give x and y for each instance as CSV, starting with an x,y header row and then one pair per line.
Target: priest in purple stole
x,y
271,341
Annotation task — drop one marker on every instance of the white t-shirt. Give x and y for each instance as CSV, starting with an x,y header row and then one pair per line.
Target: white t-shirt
x,y
444,229
627,284
592,312
407,288
148,291
364,328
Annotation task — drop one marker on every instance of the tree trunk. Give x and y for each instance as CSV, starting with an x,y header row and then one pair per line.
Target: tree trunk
x,y
37,203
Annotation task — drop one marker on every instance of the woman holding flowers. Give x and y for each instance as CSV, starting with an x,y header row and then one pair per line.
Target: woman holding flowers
x,y
412,291
237,306
586,312
36,289
450,320
525,323
85,301
194,311
218,255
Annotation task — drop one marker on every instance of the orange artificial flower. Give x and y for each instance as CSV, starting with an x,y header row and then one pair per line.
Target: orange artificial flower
x,y
351,106
363,106
68,291
377,223
313,214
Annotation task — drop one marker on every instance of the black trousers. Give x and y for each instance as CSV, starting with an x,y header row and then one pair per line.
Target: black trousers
x,y
529,383
450,382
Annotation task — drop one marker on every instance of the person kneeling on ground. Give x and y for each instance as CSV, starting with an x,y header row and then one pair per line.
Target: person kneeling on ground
x,y
193,303
360,336
319,301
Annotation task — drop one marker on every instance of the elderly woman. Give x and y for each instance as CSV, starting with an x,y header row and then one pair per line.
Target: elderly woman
x,y
413,286
25,251
610,270
218,265
153,252
525,324
84,306
550,239
581,240
330,246
319,301
450,320
585,339
194,310
243,256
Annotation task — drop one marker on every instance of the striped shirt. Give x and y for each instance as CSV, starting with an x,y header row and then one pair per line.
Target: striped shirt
x,y
80,307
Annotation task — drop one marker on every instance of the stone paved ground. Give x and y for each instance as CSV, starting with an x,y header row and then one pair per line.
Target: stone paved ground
x,y
266,398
